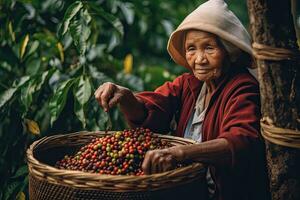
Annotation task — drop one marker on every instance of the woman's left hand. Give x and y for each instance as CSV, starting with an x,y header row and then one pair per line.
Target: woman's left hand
x,y
161,160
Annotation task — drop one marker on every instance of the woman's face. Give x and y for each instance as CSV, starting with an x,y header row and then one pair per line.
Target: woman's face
x,y
204,55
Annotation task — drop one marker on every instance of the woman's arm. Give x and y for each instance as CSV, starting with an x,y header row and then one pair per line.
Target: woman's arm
x,y
133,108
160,106
215,151
109,94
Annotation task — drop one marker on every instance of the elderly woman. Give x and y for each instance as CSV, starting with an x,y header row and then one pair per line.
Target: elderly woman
x,y
217,104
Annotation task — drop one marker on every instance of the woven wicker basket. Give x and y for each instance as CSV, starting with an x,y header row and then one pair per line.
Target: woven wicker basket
x,y
49,183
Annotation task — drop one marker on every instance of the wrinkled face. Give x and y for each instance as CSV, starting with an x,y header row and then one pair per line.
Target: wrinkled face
x,y
204,55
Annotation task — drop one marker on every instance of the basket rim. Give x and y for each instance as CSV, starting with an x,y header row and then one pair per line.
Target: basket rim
x,y
42,170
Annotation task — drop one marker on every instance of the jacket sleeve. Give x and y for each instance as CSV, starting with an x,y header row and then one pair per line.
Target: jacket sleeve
x,y
240,125
160,106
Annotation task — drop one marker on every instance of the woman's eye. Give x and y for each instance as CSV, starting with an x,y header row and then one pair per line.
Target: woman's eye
x,y
190,48
210,49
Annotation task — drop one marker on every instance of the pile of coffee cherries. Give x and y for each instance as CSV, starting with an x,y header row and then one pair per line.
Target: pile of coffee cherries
x,y
121,153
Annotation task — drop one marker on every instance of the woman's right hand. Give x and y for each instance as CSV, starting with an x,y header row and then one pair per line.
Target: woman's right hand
x,y
109,94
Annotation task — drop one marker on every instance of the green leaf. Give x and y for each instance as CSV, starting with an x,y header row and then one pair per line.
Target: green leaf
x,y
15,187
83,90
114,21
33,65
11,31
26,95
48,39
6,96
5,66
22,81
25,183
45,76
72,10
102,120
168,26
114,41
33,86
75,29
128,12
23,170
80,31
32,48
9,93
98,76
58,100
12,189
129,80
155,76
85,15
79,111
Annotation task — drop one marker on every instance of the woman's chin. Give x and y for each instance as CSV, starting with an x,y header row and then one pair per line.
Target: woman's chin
x,y
202,76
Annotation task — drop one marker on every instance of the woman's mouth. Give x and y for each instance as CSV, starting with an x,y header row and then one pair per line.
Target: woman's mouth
x,y
202,70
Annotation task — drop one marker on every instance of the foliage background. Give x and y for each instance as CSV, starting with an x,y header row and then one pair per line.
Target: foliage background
x,y
55,53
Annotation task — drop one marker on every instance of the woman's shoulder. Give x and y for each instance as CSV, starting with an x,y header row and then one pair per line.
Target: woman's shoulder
x,y
240,83
186,76
243,77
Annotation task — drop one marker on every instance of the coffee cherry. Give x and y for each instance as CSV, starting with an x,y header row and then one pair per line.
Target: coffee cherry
x,y
121,153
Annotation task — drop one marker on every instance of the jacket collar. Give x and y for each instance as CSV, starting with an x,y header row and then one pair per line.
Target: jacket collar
x,y
195,85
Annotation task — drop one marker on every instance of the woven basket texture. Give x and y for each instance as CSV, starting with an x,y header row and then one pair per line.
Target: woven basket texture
x,y
49,183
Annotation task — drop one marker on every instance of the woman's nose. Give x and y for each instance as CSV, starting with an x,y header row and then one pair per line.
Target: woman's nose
x,y
200,58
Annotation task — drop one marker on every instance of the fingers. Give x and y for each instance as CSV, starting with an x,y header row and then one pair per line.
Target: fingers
x,y
157,161
110,94
114,100
146,166
97,95
160,164
104,93
169,164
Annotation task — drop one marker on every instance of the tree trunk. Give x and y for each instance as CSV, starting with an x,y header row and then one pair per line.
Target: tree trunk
x,y
271,23
295,12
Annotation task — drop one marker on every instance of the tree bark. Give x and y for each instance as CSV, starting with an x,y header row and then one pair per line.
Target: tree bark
x,y
295,12
271,23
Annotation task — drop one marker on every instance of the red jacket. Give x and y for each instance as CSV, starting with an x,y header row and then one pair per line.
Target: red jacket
x,y
233,113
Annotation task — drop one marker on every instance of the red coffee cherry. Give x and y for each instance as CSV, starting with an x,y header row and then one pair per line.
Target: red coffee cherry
x,y
121,153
